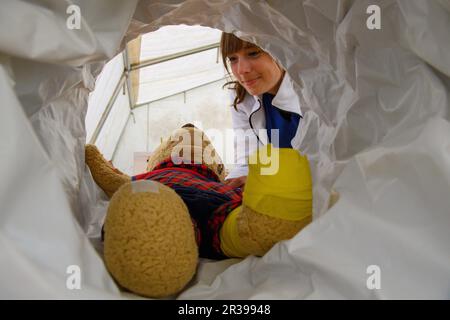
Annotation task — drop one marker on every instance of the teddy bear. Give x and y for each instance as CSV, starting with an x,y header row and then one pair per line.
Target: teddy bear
x,y
159,223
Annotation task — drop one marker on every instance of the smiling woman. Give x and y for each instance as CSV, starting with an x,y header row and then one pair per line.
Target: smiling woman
x,y
263,98
255,70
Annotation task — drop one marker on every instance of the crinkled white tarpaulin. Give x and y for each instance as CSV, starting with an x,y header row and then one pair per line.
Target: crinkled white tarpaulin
x,y
376,129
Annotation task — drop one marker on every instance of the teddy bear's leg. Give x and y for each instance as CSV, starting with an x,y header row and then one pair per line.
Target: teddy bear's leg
x,y
108,178
150,246
277,203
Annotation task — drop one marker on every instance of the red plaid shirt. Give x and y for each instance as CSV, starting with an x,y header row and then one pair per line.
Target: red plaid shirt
x,y
200,178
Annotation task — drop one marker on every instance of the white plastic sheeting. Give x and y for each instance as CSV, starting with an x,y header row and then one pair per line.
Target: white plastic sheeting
x,y
376,128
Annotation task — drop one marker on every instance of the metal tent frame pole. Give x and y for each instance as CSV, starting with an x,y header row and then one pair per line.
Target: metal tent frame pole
x,y
125,80
149,62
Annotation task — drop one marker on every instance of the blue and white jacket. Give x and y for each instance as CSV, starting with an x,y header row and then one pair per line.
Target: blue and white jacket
x,y
250,117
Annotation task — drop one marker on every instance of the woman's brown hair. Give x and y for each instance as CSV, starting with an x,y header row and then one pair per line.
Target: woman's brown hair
x,y
230,44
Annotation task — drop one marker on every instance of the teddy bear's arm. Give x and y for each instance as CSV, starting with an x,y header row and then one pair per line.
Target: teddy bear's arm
x,y
108,178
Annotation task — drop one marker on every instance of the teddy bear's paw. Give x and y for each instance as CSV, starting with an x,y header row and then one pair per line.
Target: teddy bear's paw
x,y
277,200
150,246
108,178
258,233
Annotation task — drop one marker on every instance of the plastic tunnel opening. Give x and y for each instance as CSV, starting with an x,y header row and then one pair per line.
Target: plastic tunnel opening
x,y
375,98
174,77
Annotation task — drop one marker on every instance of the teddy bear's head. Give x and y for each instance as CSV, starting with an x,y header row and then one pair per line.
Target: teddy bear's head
x,y
189,145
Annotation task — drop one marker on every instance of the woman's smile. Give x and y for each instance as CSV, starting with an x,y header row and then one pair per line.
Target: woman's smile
x,y
256,70
251,82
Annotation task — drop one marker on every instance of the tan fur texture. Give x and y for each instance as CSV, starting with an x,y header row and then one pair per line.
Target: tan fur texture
x,y
108,178
258,233
150,245
198,143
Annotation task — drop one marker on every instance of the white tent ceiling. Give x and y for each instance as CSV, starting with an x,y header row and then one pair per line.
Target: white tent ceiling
x,y
180,81
177,75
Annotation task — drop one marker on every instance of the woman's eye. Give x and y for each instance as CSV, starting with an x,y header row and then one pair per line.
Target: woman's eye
x,y
254,53
232,59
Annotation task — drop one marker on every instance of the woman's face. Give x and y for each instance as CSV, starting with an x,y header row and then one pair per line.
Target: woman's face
x,y
255,70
